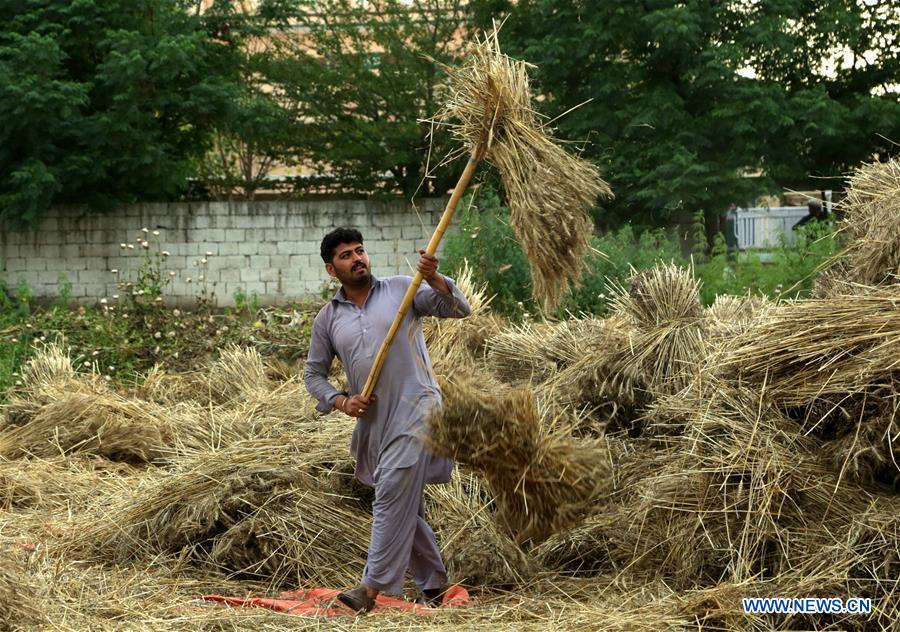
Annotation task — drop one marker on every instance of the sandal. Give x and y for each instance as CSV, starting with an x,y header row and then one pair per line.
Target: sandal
x,y
357,599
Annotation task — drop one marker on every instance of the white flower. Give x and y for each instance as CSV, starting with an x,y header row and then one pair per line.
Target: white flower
x,y
123,246
165,253
187,280
131,246
158,299
170,334
156,232
145,244
116,296
95,353
203,261
157,335
114,271
176,313
156,350
209,253
171,273
145,230
200,278
103,301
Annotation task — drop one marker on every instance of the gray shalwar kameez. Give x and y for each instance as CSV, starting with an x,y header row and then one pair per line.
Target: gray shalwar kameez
x,y
387,441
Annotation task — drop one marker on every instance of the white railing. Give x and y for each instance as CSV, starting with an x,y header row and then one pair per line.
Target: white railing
x,y
765,227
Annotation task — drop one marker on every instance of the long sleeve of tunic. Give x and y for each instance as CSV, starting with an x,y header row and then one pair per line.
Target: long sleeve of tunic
x,y
390,434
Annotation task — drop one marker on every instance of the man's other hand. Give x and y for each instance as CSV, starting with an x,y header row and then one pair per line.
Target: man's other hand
x,y
357,405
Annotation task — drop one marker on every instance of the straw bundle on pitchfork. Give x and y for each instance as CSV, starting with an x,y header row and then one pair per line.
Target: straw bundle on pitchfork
x,y
549,190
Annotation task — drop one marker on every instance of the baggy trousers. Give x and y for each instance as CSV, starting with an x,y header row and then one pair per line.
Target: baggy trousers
x,y
401,537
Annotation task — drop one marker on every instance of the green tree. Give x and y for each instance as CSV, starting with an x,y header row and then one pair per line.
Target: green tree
x,y
261,124
363,78
103,102
691,105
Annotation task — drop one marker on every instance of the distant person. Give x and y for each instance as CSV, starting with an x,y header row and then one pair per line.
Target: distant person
x,y
815,213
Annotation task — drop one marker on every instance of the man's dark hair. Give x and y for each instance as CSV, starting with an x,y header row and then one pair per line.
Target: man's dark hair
x,y
336,237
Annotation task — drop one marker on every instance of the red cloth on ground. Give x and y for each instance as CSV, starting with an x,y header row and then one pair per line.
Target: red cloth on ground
x,y
321,601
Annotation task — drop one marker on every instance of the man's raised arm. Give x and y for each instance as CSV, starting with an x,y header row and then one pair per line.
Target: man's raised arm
x,y
440,297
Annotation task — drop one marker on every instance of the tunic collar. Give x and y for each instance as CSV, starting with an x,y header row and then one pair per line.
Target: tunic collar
x,y
340,297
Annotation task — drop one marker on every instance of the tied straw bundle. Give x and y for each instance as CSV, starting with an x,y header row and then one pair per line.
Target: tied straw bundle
x,y
871,227
544,479
549,191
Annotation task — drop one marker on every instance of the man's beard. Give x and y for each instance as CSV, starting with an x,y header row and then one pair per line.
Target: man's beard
x,y
354,279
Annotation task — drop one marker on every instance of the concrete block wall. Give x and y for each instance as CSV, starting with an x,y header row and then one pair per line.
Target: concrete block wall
x,y
217,248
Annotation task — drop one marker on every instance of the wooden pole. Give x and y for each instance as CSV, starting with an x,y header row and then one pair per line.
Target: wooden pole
x,y
442,226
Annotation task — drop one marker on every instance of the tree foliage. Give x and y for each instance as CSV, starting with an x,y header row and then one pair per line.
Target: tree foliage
x,y
261,126
694,104
105,101
363,78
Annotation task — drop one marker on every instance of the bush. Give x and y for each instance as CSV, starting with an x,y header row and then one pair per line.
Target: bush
x,y
788,271
485,239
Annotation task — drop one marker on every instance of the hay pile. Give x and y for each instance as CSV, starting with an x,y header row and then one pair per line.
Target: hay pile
x,y
475,547
59,411
730,316
810,349
535,352
57,482
762,448
663,307
550,191
651,345
259,507
833,364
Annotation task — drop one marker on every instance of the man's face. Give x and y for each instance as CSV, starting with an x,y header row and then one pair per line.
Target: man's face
x,y
350,265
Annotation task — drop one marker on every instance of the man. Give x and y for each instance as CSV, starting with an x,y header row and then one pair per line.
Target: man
x,y
387,440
